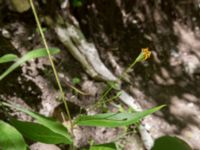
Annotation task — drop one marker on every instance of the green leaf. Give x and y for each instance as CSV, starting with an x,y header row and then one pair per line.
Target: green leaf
x,y
114,85
28,56
76,80
8,58
49,123
38,132
10,138
170,143
108,146
43,30
77,3
114,119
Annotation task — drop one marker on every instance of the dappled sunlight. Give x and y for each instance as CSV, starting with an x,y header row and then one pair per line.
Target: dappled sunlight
x,y
171,75
115,56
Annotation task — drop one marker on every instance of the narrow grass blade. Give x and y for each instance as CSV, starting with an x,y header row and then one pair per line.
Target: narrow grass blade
x,y
114,119
30,55
8,58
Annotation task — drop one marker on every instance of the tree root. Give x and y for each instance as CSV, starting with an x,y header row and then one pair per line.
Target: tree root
x,y
84,52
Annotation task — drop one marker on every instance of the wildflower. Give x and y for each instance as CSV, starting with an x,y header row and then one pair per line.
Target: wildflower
x,y
144,55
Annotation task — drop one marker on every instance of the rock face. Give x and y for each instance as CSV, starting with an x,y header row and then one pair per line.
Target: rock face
x,y
42,146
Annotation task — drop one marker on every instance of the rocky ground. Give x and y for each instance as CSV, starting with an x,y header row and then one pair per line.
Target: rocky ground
x,y
171,76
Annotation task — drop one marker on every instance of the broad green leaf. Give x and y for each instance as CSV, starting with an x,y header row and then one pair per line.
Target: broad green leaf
x,y
38,132
170,143
114,119
50,123
10,138
28,56
108,146
8,58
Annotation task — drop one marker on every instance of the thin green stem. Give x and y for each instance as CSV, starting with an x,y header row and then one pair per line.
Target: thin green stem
x,y
127,70
105,93
108,100
51,60
118,79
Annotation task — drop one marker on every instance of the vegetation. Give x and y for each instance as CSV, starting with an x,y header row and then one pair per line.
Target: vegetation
x,y
115,108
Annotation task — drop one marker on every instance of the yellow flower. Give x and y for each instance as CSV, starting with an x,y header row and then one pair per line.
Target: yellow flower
x,y
146,53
